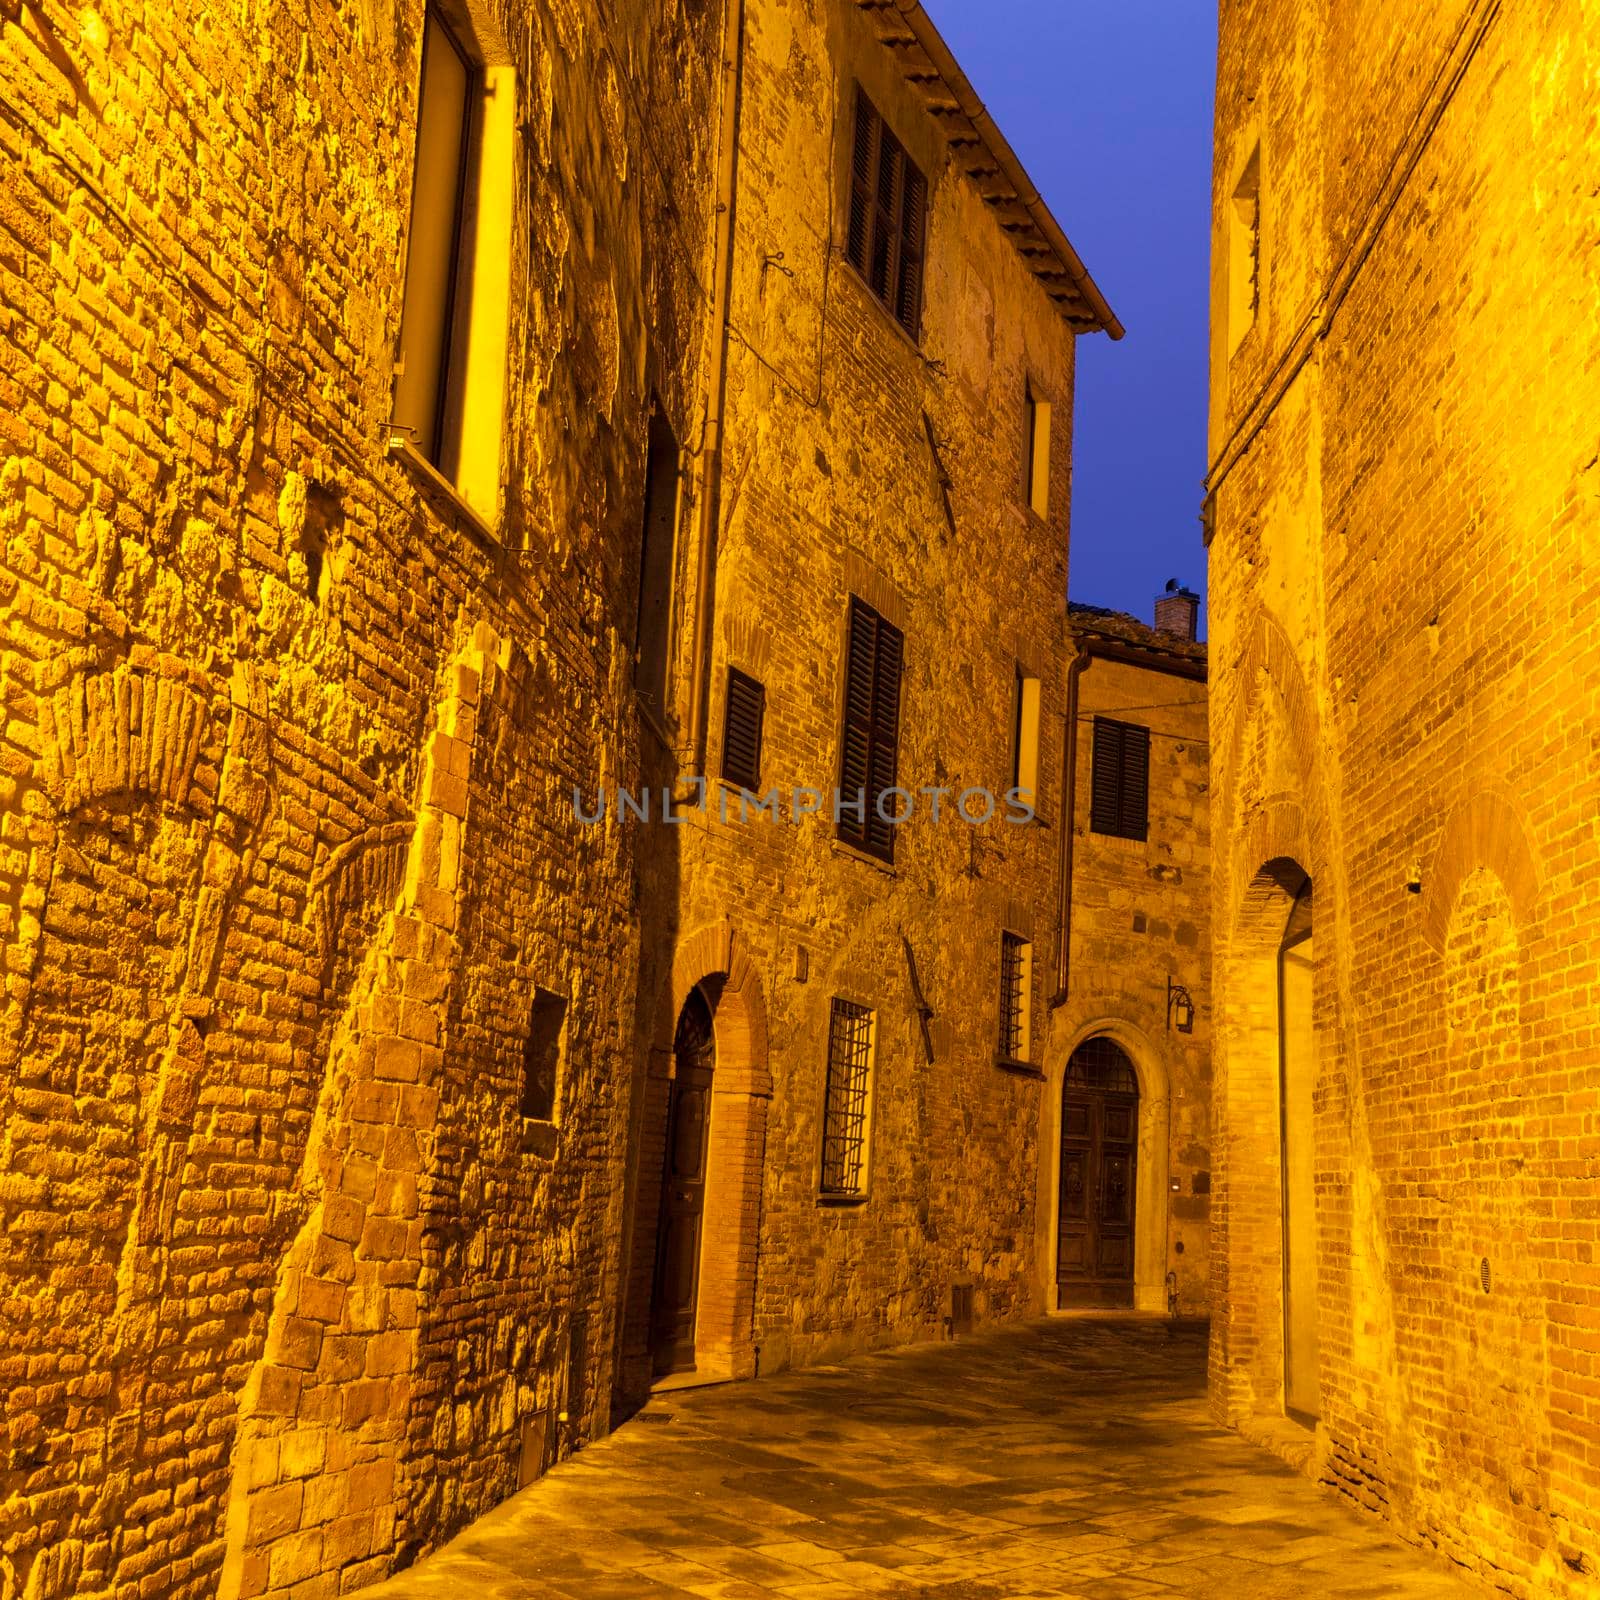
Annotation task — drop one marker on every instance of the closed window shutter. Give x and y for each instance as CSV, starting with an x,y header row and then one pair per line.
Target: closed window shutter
x,y
1135,781
913,212
1105,808
870,755
855,755
885,761
741,731
862,167
1120,799
883,272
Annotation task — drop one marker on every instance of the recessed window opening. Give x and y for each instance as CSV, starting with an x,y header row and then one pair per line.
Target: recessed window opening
x,y
541,1055
846,1100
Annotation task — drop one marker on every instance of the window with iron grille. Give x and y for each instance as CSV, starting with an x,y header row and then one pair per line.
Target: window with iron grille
x,y
888,217
741,731
1121,791
870,740
1015,972
846,1100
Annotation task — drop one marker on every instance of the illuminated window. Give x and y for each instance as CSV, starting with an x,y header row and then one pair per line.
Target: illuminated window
x,y
449,393
1025,739
1016,982
846,1101
1036,448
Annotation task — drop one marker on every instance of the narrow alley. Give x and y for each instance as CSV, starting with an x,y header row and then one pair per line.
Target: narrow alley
x,y
1068,1458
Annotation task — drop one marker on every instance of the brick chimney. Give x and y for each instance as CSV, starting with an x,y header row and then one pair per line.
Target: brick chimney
x,y
1178,611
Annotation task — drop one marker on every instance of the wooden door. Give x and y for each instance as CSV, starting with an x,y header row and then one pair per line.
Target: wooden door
x,y
683,1193
1099,1144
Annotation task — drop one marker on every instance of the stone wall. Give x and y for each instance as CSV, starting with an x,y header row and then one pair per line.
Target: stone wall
x,y
1141,916
290,1287
1402,582
862,462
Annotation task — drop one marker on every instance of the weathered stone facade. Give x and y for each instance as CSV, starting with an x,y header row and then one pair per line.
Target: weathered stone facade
x,y
861,462
293,722
289,737
1139,921
1402,582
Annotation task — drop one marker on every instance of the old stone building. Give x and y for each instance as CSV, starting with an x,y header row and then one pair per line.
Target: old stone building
x,y
1403,624
414,421
320,487
853,1006
1125,1166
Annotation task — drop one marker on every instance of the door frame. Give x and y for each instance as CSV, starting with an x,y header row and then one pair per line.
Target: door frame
x,y
1151,1163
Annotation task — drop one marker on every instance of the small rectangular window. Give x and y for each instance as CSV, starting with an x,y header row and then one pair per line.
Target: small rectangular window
x,y
1120,802
656,557
741,731
888,217
870,742
1037,453
1016,980
1025,739
846,1100
541,1055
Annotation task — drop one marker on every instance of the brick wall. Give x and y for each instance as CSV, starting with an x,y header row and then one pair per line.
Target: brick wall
x,y
284,851
1401,610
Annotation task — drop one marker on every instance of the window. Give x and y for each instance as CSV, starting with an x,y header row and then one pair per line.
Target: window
x,y
656,557
1025,739
1036,454
869,752
1016,983
541,1055
741,731
1121,799
449,391
845,1102
888,206
1244,251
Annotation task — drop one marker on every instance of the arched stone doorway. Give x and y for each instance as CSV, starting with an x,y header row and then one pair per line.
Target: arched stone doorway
x,y
1147,1168
1096,1193
680,1220
690,1308
1267,1342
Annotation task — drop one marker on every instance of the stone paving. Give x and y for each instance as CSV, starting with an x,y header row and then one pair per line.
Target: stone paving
x,y
1067,1458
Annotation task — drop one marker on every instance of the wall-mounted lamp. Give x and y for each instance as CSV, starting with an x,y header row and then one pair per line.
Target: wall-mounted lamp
x,y
1180,1008
1414,877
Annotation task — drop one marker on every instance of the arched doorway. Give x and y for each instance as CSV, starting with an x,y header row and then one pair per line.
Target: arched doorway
x,y
1297,1075
1096,1206
680,1220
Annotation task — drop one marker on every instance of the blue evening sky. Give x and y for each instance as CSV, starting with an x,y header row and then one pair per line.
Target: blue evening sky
x,y
1109,107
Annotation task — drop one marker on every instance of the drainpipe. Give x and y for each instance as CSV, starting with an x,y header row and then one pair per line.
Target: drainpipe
x,y
1069,806
709,496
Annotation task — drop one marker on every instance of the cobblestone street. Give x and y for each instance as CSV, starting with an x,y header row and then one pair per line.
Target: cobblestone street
x,y
1068,1458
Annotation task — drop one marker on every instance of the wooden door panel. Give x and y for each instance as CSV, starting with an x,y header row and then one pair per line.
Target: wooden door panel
x,y
1095,1259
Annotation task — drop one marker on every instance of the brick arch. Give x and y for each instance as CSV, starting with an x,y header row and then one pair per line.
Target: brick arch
x,y
1247,1355
1483,830
716,959
1268,648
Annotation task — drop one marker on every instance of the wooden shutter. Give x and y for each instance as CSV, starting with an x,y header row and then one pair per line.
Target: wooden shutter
x,y
741,731
885,761
883,269
1120,797
1135,781
863,167
869,745
907,305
